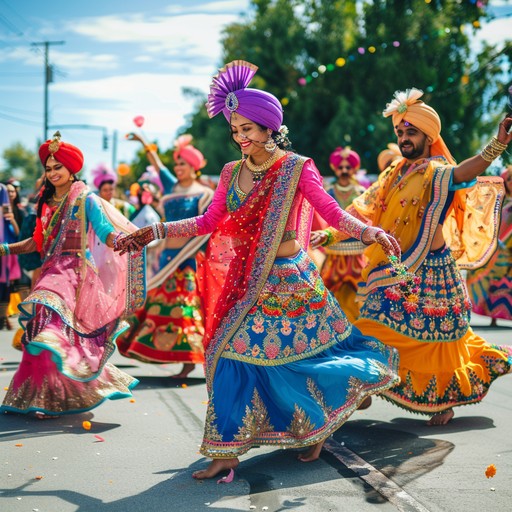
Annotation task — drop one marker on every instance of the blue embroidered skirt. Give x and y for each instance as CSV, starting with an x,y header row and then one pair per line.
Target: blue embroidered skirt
x,y
295,370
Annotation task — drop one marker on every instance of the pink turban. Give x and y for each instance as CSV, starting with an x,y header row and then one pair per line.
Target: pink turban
x,y
346,156
189,153
407,106
229,93
67,154
101,174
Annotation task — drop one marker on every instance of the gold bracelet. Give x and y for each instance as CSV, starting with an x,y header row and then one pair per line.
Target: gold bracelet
x,y
493,150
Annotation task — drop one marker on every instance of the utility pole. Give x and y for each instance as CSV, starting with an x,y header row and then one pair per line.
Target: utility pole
x,y
48,78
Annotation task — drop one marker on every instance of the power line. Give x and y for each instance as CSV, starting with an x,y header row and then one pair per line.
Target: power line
x,y
18,120
48,78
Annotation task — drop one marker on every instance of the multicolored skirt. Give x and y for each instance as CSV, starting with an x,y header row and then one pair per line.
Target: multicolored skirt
x,y
490,287
63,371
169,328
341,274
443,363
295,370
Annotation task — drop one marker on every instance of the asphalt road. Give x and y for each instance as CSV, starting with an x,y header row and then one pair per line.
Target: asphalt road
x,y
382,459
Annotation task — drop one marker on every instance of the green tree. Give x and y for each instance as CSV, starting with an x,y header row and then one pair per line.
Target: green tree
x,y
353,55
21,163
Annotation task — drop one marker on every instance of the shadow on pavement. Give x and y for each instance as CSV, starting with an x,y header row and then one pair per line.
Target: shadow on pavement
x,y
458,424
401,456
21,426
179,492
167,382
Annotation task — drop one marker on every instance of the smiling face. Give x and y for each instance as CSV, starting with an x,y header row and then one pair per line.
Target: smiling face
x,y
413,143
184,171
249,136
56,173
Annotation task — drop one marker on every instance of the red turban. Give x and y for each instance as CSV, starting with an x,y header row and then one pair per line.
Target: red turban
x,y
67,154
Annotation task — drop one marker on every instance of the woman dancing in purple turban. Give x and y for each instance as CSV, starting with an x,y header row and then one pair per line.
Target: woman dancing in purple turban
x,y
284,366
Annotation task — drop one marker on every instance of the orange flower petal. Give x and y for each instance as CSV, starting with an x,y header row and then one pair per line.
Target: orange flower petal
x,y
490,471
86,425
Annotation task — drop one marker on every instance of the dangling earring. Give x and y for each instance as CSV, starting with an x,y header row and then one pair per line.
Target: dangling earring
x,y
270,145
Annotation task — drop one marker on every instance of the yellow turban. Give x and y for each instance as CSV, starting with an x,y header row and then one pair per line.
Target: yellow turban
x,y
388,155
407,106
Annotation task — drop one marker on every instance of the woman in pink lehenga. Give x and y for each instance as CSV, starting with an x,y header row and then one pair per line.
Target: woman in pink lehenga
x,y
75,310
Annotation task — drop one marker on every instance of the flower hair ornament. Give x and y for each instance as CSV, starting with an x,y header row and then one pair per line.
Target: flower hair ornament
x,y
401,101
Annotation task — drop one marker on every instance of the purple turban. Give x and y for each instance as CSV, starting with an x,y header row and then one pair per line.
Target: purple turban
x,y
229,93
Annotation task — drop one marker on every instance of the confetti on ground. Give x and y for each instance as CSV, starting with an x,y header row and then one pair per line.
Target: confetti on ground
x,y
86,425
184,386
227,479
490,471
132,400
99,438
39,477
18,445
6,388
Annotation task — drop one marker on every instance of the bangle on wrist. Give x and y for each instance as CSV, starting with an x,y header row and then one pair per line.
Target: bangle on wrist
x,y
329,238
4,250
116,239
493,150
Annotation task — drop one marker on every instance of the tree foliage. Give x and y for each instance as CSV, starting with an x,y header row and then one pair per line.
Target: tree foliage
x,y
290,39
21,163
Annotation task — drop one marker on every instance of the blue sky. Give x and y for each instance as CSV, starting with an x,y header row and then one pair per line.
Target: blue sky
x,y
119,59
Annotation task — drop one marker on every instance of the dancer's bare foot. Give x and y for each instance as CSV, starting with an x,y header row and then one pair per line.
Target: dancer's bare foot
x,y
365,403
187,368
313,453
494,323
441,418
215,467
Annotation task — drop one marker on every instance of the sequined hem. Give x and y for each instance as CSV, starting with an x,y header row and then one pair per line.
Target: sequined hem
x,y
301,431
69,397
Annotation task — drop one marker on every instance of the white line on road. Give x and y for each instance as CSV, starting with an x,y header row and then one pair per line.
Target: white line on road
x,y
373,477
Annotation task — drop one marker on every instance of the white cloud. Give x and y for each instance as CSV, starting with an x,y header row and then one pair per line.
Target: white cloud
x,y
496,31
181,36
158,98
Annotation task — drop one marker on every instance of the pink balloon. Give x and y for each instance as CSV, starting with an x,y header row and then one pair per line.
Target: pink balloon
x,y
139,121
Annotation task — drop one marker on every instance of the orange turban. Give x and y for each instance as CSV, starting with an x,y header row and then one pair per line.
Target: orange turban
x,y
185,150
407,106
390,154
67,154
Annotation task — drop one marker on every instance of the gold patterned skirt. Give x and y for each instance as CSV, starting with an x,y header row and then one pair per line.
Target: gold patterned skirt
x,y
295,370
